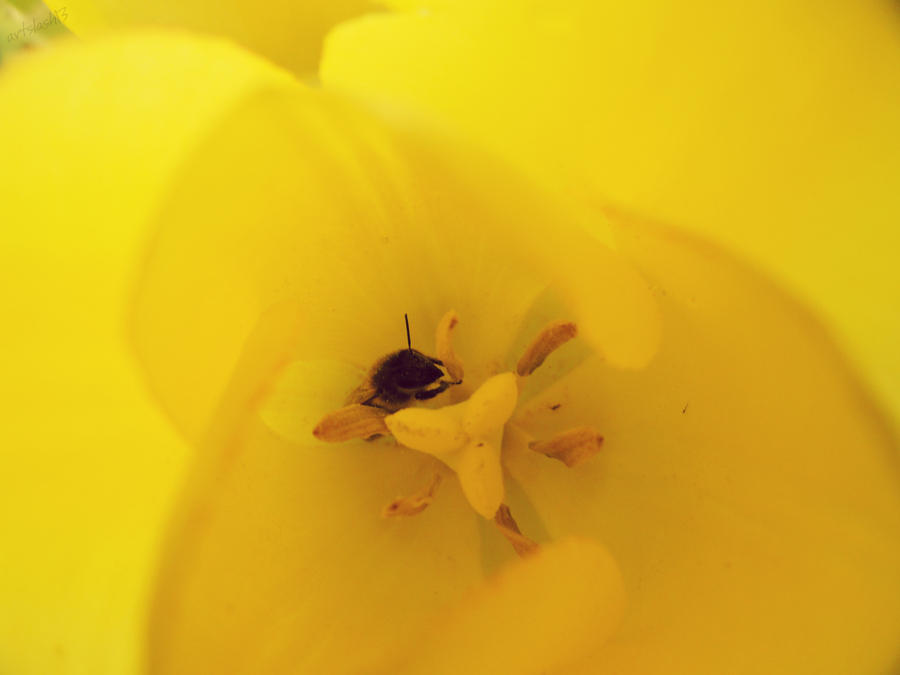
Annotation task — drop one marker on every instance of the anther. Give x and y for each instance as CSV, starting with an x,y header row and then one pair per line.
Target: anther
x,y
508,528
415,503
548,340
571,447
349,422
444,346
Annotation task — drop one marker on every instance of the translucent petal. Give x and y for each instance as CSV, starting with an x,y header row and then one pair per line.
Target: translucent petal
x,y
747,487
539,613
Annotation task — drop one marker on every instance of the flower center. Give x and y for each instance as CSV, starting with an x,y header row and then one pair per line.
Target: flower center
x,y
468,436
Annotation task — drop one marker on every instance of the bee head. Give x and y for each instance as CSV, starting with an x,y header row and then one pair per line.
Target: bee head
x,y
411,369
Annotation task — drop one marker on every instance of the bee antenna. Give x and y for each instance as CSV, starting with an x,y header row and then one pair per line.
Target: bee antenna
x,y
408,343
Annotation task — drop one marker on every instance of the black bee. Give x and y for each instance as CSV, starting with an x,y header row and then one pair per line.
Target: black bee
x,y
398,377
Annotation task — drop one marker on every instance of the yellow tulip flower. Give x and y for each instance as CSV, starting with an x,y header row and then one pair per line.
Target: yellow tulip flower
x,y
203,258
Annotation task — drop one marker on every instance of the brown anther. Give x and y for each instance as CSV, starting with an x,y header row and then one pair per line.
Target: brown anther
x,y
352,421
415,503
444,347
508,528
571,447
548,340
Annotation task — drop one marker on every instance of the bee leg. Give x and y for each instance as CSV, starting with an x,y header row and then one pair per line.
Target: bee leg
x,y
431,393
440,363
386,399
369,400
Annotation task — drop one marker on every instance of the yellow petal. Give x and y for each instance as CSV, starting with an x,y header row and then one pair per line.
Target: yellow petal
x,y
747,487
303,205
288,33
138,104
139,101
90,464
540,613
770,127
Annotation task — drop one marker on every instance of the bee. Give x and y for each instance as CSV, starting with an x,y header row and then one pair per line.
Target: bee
x,y
397,378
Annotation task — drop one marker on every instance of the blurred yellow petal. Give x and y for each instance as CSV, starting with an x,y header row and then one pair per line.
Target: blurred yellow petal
x,y
539,613
287,33
132,106
771,127
89,133
90,464
747,488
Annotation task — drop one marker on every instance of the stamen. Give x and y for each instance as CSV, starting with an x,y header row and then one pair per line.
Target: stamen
x,y
415,503
444,347
571,447
550,338
349,422
509,529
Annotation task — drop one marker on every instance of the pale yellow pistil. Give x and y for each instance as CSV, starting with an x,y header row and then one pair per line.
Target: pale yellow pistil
x,y
467,437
